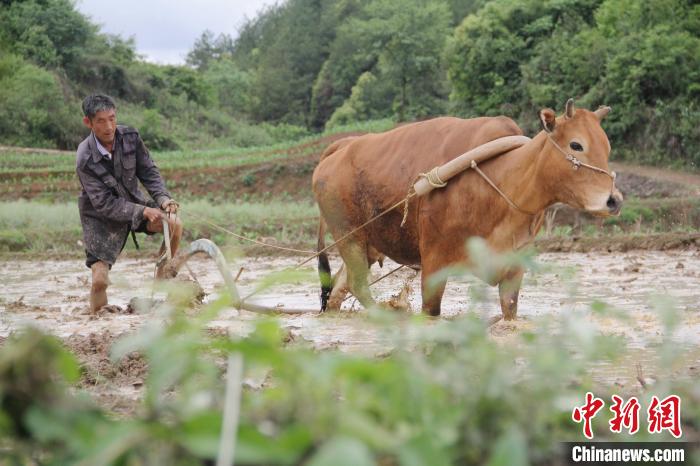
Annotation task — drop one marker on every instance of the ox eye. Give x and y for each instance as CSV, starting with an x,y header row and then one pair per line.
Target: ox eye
x,y
576,146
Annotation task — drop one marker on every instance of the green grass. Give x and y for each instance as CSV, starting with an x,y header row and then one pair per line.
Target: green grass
x,y
25,215
36,227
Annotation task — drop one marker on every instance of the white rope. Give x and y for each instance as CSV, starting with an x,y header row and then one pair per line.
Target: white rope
x,y
433,178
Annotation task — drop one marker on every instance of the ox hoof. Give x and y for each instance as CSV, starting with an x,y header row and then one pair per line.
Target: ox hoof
x,y
333,305
494,320
166,271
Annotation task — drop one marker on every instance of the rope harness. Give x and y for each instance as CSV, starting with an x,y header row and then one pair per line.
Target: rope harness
x,y
575,162
433,178
512,204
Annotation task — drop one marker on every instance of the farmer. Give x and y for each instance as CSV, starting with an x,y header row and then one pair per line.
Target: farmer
x,y
110,163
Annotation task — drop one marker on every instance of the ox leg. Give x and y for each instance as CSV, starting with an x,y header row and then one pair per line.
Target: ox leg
x,y
431,291
355,257
340,288
508,291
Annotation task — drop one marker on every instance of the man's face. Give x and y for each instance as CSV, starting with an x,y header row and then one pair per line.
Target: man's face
x,y
104,125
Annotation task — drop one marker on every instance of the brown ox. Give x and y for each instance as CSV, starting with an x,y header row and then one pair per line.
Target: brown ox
x,y
360,177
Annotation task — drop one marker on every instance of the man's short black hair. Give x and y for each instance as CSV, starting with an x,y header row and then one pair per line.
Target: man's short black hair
x,y
96,103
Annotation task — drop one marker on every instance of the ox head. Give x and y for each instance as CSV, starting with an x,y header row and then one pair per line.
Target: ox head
x,y
576,159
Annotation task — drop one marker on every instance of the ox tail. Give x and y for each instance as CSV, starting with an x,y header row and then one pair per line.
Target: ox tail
x,y
324,267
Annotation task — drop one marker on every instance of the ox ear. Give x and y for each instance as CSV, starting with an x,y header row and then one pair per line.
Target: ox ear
x,y
602,112
570,108
548,119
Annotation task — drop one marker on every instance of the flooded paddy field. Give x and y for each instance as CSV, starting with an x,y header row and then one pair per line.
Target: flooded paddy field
x,y
52,295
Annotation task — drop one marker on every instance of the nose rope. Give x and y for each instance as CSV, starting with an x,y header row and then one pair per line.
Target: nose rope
x,y
578,164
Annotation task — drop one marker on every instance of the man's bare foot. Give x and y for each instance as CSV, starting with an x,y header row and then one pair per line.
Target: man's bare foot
x,y
108,309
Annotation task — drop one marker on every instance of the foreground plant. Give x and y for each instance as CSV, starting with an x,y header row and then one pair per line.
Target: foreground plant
x,y
445,393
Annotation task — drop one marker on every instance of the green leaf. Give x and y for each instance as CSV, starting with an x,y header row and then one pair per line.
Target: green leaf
x,y
285,277
68,366
343,451
423,450
200,434
510,449
285,448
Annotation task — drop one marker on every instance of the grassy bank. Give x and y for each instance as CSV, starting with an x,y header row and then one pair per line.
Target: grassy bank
x,y
34,228
38,228
219,175
22,163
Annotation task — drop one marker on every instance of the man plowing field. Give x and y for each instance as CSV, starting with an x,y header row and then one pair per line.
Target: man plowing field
x,y
110,163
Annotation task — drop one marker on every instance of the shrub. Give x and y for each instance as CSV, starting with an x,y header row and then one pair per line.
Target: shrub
x,y
33,111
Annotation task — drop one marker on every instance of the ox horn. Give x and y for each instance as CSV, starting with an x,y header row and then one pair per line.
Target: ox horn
x,y
570,108
602,112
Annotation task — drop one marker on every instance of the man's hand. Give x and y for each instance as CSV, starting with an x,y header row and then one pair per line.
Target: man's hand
x,y
170,206
152,215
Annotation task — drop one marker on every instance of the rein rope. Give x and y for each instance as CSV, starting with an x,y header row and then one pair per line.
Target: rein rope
x,y
513,205
243,238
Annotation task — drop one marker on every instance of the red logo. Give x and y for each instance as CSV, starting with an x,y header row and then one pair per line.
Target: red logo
x,y
587,412
662,415
626,415
665,415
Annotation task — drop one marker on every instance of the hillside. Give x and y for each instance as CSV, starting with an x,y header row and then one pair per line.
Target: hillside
x,y
302,66
265,193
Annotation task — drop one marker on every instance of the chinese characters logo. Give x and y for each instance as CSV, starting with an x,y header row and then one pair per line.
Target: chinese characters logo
x,y
661,415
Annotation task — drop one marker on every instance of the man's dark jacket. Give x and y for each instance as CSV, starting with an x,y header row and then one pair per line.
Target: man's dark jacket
x,y
111,206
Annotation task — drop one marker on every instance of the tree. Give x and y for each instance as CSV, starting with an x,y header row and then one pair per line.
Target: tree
x,y
411,39
651,76
33,111
289,51
48,32
231,86
369,99
401,48
488,49
208,49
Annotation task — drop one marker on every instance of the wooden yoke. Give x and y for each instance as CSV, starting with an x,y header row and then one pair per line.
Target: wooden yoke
x,y
439,176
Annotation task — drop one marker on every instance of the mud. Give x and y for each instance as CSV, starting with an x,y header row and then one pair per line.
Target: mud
x,y
115,384
619,243
53,296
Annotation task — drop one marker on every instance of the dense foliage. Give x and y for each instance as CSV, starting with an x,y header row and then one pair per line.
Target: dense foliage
x,y
641,58
307,64
51,56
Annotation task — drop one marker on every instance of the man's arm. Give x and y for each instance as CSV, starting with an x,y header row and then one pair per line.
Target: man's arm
x,y
149,175
108,204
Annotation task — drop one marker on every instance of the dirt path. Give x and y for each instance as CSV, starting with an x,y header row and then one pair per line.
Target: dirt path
x,y
52,295
664,175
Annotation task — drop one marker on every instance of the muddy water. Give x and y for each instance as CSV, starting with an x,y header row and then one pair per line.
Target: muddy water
x,y
53,296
